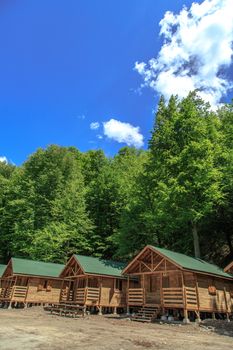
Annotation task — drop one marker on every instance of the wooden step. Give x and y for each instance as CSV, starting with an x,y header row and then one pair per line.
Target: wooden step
x,y
145,314
141,320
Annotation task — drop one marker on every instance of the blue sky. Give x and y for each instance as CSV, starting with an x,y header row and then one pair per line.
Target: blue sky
x,y
67,64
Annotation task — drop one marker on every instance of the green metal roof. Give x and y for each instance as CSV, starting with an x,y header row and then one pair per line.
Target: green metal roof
x,y
189,263
98,266
36,268
2,269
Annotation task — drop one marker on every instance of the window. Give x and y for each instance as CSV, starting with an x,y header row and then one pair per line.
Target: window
x,y
45,284
118,284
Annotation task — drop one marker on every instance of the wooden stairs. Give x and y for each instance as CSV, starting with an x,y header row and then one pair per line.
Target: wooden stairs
x,y
146,314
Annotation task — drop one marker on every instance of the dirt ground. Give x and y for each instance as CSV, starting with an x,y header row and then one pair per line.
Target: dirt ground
x,y
35,329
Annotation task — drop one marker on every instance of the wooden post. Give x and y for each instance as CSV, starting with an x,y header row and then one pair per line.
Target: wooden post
x,y
68,296
143,288
127,297
161,293
186,319
75,289
61,291
227,309
115,310
84,310
85,292
100,289
100,311
198,302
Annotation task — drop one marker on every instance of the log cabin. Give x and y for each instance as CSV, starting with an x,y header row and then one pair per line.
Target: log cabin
x,y
95,283
177,285
27,282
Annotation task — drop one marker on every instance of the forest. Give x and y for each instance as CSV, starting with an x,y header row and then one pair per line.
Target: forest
x,y
177,194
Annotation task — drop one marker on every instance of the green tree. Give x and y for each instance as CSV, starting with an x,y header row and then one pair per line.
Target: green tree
x,y
185,149
6,173
47,199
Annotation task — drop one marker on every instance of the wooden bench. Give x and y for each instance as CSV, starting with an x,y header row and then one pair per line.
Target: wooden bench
x,y
65,309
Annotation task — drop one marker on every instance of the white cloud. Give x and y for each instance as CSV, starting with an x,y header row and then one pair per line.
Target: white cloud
x,y
94,125
99,137
123,133
3,159
197,48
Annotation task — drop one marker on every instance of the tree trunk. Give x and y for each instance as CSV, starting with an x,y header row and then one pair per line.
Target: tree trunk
x,y
196,241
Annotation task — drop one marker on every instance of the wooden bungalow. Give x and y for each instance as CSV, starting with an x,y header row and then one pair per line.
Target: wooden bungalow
x,y
177,285
94,283
30,282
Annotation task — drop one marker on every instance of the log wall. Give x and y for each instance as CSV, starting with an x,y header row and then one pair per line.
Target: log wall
x,y
37,294
221,300
110,296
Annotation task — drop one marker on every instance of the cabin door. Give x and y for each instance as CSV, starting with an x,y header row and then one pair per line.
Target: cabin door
x,y
152,289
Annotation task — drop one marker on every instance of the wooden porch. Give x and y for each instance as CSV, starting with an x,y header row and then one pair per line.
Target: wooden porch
x,y
92,296
86,295
166,298
13,294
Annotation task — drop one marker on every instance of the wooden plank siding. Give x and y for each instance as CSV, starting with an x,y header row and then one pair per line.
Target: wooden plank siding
x,y
36,294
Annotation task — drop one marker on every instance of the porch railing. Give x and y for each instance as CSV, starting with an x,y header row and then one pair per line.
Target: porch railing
x,y
173,297
6,293
92,295
136,296
169,298
19,293
80,295
14,293
191,298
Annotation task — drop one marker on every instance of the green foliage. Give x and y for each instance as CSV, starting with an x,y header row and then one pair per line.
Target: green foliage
x,y
181,188
45,213
178,194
